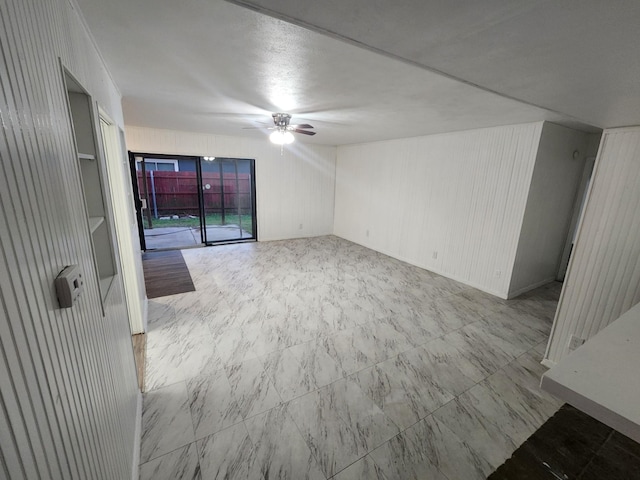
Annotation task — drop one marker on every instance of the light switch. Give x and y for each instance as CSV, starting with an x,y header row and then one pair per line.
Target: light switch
x,y
69,285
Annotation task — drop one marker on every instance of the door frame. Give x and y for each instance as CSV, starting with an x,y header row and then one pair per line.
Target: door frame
x,y
137,201
578,206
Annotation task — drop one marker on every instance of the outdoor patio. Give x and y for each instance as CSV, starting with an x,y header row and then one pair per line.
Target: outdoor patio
x,y
183,237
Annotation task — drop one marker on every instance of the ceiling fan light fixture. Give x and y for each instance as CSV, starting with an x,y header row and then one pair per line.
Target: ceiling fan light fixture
x,y
288,137
280,137
277,137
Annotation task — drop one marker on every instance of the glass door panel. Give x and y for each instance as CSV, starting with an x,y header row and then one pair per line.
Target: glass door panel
x,y
170,195
228,190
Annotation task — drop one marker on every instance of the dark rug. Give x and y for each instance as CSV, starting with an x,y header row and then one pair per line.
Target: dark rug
x,y
166,273
572,445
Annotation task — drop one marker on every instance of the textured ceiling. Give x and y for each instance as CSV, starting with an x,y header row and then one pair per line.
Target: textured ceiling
x,y
362,71
577,57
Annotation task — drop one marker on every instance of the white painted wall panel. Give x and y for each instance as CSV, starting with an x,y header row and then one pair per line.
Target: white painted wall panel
x,y
603,280
68,388
292,189
552,194
461,195
126,223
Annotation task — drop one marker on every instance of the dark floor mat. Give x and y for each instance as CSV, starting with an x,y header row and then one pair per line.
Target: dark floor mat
x,y
573,446
166,273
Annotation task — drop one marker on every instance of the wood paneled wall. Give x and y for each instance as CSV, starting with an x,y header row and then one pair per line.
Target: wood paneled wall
x,y
68,389
294,190
451,203
603,279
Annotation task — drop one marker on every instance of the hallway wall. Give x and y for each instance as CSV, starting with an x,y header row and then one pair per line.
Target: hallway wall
x,y
68,391
552,193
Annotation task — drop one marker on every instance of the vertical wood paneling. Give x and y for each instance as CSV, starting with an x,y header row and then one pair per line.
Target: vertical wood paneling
x,y
603,280
461,195
67,377
293,189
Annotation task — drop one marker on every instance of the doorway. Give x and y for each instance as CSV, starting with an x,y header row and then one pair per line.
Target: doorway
x,y
578,207
187,201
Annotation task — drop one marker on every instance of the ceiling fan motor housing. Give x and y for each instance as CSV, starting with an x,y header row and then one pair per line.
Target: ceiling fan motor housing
x,y
281,119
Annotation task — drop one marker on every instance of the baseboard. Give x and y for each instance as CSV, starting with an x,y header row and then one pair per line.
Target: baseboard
x,y
135,467
429,268
295,237
548,363
533,286
145,314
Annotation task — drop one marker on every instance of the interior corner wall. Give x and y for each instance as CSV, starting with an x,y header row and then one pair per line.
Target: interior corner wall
x,y
552,193
450,203
68,387
294,186
603,279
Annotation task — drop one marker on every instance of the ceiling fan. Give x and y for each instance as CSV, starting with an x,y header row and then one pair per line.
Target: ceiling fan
x,y
283,132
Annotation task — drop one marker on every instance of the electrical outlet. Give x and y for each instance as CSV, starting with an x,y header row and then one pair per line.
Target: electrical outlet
x,y
498,273
575,342
435,255
367,233
300,227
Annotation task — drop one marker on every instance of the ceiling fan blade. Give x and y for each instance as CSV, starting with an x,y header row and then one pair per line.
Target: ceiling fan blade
x,y
259,128
304,132
302,125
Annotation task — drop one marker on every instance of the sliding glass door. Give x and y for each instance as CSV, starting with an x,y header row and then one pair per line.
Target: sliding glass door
x,y
228,190
187,201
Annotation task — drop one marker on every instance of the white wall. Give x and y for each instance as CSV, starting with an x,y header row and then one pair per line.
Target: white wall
x,y
552,194
68,388
126,223
292,190
603,280
462,195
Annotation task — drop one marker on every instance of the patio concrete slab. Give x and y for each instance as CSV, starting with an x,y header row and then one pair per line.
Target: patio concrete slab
x,y
183,237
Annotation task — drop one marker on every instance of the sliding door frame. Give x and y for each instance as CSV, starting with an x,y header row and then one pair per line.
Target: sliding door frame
x,y
201,206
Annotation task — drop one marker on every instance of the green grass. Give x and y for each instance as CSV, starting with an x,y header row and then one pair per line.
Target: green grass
x,y
210,219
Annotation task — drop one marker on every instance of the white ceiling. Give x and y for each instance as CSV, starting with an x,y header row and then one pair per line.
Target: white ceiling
x,y
364,70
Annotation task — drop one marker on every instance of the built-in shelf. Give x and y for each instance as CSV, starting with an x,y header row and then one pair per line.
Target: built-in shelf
x,y
95,222
85,120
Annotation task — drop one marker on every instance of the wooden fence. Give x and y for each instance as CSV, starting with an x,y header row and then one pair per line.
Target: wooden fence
x,y
176,193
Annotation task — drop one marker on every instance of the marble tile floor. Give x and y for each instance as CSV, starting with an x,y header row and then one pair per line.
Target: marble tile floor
x,y
321,359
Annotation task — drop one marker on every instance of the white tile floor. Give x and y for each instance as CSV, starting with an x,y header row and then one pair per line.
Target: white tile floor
x,y
319,358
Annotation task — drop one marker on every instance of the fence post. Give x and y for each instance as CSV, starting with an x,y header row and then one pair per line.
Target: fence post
x,y
221,190
146,191
235,164
153,195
